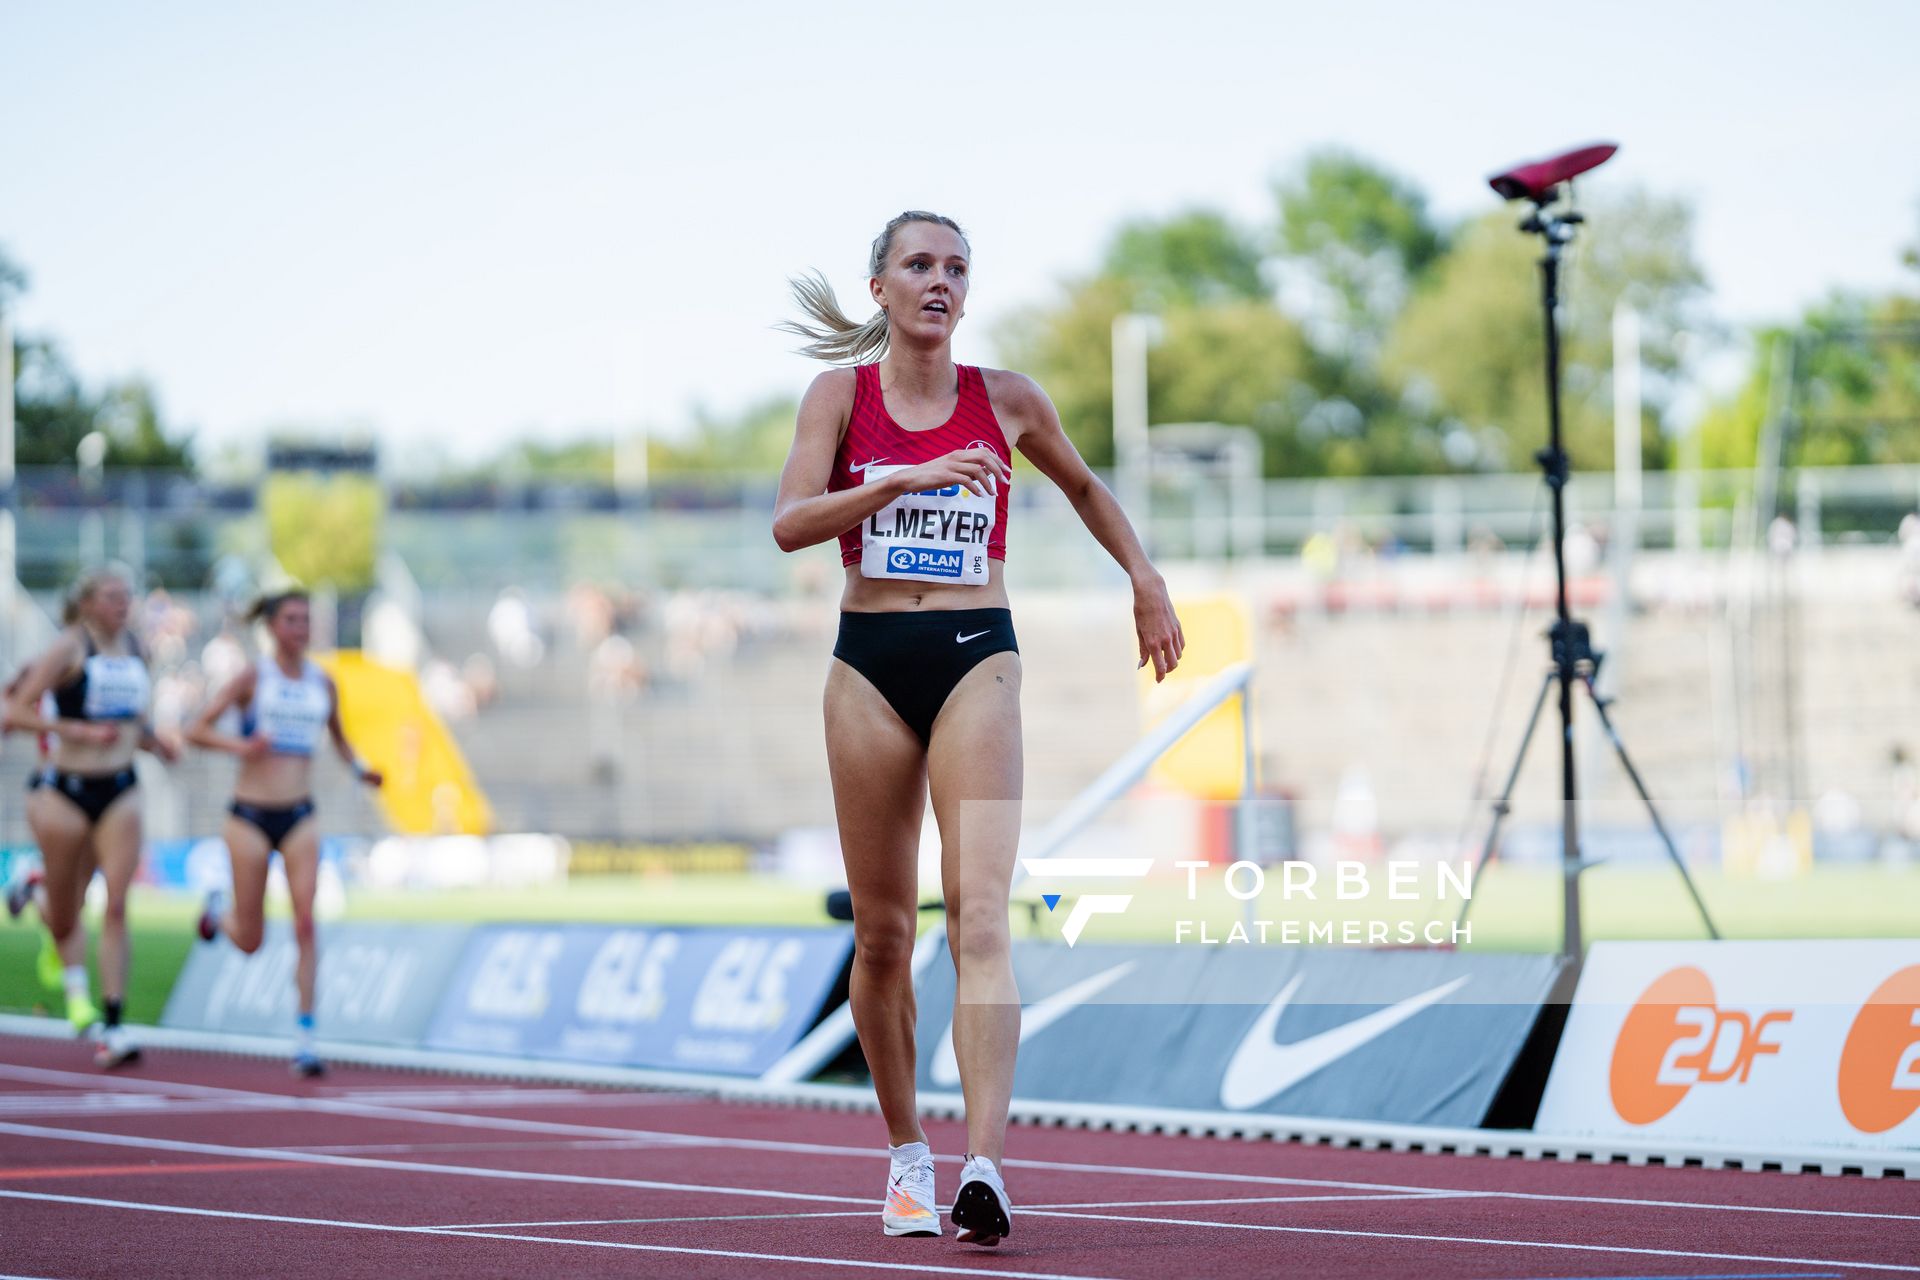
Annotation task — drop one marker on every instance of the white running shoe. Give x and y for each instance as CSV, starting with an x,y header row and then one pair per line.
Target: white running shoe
x,y
116,1049
981,1212
910,1209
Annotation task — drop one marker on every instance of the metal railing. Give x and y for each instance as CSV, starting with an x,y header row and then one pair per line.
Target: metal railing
x,y
827,1040
712,531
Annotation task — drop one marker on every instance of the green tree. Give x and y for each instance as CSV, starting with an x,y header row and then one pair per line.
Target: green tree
x,y
1730,427
755,441
1227,353
1468,347
1855,389
1067,346
1359,237
129,414
13,278
324,529
54,410
1196,258
51,410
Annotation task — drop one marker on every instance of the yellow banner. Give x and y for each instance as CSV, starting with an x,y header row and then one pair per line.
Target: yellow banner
x,y
429,789
1208,761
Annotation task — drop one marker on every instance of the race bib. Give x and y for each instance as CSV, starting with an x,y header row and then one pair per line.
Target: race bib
x,y
292,715
117,687
939,535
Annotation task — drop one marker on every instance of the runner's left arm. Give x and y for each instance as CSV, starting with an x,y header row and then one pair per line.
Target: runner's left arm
x,y
154,744
1043,442
361,769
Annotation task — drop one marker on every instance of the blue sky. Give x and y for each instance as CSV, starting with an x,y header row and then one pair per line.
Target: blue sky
x,y
460,223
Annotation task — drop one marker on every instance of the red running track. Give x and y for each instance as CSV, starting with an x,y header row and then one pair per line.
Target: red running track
x,y
194,1165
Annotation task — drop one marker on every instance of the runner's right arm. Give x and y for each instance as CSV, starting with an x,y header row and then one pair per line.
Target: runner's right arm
x,y
58,664
201,733
805,513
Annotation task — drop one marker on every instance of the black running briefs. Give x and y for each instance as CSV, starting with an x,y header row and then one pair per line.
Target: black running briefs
x,y
92,792
916,659
276,822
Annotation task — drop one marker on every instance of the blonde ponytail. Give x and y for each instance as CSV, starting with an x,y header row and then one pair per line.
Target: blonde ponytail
x,y
834,336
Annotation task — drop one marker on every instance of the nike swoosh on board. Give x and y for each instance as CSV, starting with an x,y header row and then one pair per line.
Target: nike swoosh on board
x,y
1035,1018
1261,1069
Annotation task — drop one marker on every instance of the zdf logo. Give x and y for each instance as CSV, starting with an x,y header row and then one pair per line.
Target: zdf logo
x,y
1677,1036
1880,1062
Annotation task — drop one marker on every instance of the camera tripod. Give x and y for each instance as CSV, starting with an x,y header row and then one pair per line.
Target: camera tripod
x,y
1583,660
1575,661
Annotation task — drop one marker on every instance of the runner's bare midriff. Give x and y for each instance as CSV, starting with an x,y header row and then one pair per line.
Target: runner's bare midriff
x,y
274,780
884,595
93,759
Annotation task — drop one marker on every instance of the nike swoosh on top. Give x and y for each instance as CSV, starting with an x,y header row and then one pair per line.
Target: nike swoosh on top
x,y
960,639
870,462
1261,1069
1035,1018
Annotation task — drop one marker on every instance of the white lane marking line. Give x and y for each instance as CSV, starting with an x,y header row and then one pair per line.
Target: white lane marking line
x,y
407,1166
1230,1200
509,1124
554,1144
620,1222
1517,1244
501,1098
1420,1192
489,1235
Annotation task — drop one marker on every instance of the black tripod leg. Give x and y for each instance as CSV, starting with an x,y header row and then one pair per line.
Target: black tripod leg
x,y
1633,774
1503,806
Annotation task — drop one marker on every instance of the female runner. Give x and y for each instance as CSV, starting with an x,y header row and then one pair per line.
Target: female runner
x,y
30,886
286,702
906,458
86,813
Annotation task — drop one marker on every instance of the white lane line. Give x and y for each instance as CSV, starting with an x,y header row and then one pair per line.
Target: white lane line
x,y
1517,1244
552,1144
861,1213
1148,1204
621,1222
1425,1192
516,1125
98,1138
683,1250
501,1097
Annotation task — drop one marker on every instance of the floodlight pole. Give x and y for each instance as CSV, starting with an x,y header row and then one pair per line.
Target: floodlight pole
x,y
9,566
1132,335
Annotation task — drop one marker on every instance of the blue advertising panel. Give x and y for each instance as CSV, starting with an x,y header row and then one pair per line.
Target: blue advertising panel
x,y
376,983
1422,1037
686,999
